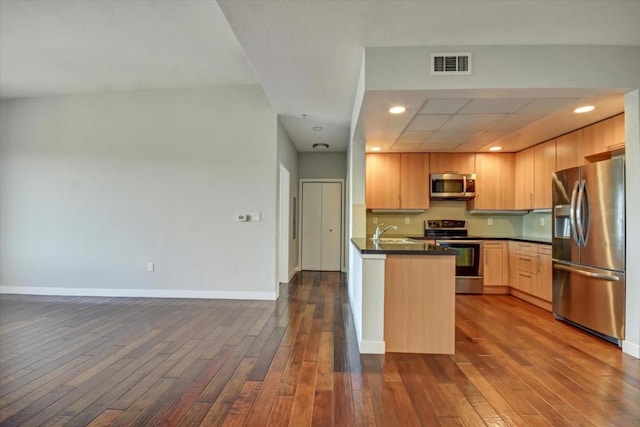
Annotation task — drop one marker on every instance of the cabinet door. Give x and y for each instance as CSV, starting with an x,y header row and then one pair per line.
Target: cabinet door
x,y
544,166
603,137
545,274
508,182
619,137
488,182
524,179
414,180
383,181
568,149
452,162
493,264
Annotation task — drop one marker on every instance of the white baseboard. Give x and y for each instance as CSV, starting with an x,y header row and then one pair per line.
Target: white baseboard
x,y
632,349
371,347
293,273
141,293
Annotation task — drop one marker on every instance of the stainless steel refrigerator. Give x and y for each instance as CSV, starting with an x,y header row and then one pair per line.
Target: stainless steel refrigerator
x,y
589,247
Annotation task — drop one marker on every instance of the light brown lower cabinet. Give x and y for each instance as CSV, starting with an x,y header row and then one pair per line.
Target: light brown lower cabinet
x,y
530,273
495,267
545,274
419,304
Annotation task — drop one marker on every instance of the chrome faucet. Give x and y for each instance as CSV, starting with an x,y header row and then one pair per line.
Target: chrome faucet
x,y
379,232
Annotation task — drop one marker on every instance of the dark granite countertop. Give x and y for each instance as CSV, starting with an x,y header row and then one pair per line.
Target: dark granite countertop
x,y
543,240
367,246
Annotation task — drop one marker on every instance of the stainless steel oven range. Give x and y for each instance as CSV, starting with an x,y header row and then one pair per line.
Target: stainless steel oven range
x,y
453,234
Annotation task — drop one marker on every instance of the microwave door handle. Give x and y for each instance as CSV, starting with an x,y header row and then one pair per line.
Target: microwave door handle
x,y
464,185
572,214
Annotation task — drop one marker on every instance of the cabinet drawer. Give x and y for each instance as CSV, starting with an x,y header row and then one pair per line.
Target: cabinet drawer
x,y
527,282
525,248
527,263
493,244
544,249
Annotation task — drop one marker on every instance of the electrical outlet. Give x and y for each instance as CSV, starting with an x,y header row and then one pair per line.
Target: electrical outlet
x,y
541,221
407,220
375,220
489,221
151,266
256,216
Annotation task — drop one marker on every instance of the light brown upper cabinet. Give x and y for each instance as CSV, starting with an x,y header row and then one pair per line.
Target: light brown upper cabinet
x,y
544,166
414,181
601,138
495,182
397,181
452,163
568,150
382,182
534,167
524,178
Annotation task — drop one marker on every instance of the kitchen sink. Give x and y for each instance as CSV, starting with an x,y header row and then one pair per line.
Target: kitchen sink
x,y
396,241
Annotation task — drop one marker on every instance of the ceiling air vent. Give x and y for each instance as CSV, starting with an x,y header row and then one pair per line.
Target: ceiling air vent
x,y
451,63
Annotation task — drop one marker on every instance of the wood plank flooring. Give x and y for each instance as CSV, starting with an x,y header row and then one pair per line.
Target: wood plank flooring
x,y
178,362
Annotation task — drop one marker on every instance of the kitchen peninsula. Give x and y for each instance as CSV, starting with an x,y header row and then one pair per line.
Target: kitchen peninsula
x,y
403,298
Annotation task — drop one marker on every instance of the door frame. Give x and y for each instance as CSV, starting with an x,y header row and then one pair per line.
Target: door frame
x,y
342,217
283,228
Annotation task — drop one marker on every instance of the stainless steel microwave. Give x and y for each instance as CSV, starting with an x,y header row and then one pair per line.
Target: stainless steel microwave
x,y
454,186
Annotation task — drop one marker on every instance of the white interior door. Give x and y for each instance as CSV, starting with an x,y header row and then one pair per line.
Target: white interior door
x,y
321,226
311,226
331,226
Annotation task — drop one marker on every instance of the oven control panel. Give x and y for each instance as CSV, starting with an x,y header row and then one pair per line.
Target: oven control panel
x,y
446,223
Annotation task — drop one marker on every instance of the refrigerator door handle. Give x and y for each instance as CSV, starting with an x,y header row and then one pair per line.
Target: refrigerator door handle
x,y
570,269
580,214
572,214
584,191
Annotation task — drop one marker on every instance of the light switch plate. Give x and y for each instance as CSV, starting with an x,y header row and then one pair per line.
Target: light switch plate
x,y
256,216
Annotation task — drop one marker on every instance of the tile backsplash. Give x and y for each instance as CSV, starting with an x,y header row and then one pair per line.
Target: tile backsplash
x,y
477,224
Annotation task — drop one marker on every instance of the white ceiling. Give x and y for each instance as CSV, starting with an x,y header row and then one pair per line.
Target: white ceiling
x,y
54,47
305,54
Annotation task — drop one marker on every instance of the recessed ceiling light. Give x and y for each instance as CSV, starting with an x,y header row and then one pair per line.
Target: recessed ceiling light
x,y
398,109
320,146
495,148
317,128
584,109
376,148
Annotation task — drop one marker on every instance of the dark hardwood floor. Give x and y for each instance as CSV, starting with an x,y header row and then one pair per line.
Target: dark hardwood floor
x,y
127,361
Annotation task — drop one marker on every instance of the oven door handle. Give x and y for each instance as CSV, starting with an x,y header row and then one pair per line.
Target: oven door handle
x,y
460,242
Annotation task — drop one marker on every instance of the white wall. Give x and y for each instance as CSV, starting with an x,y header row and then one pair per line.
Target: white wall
x,y
93,187
331,165
631,345
288,156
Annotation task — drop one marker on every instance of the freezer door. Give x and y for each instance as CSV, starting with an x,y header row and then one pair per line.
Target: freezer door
x,y
590,297
601,220
565,185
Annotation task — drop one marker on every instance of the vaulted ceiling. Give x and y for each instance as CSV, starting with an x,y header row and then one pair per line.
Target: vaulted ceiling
x,y
305,54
